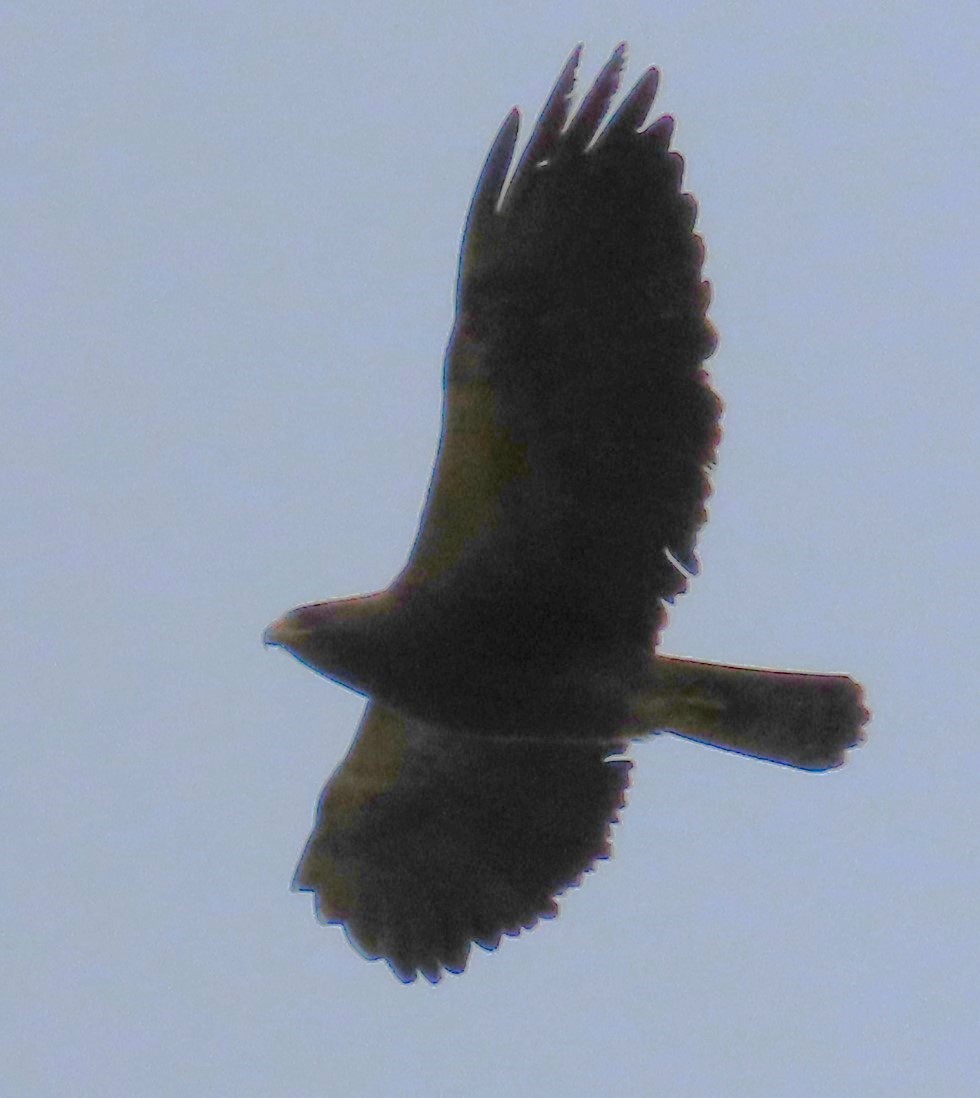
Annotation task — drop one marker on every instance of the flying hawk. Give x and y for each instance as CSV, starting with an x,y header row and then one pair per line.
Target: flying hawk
x,y
509,664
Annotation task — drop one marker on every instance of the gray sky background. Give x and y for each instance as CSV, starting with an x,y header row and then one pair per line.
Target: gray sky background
x,y
229,242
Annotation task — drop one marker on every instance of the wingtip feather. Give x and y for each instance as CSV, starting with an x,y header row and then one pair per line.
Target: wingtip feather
x,y
490,184
632,112
594,106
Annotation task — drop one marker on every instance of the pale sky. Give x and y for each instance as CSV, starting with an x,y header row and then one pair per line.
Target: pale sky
x,y
229,243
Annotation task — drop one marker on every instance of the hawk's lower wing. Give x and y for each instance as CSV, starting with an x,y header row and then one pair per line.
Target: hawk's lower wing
x,y
427,840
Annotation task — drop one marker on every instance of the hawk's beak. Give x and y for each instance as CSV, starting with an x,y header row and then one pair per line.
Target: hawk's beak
x,y
283,632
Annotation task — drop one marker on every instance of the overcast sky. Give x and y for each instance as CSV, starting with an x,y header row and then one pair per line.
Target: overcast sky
x,y
229,243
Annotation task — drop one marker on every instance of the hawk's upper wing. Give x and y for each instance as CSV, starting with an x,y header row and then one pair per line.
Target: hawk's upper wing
x,y
578,423
426,841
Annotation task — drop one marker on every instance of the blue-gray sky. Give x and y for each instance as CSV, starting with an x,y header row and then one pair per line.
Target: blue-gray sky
x,y
229,242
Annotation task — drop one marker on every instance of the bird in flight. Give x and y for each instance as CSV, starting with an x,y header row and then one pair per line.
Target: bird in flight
x,y
513,659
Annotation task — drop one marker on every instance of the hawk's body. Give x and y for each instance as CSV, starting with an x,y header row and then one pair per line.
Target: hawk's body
x,y
515,652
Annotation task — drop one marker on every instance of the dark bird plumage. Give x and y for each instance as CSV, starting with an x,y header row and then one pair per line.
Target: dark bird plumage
x,y
513,657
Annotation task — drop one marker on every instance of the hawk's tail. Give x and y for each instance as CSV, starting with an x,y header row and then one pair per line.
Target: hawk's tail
x,y
788,717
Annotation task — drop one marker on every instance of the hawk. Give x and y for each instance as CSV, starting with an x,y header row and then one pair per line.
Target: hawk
x,y
513,659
